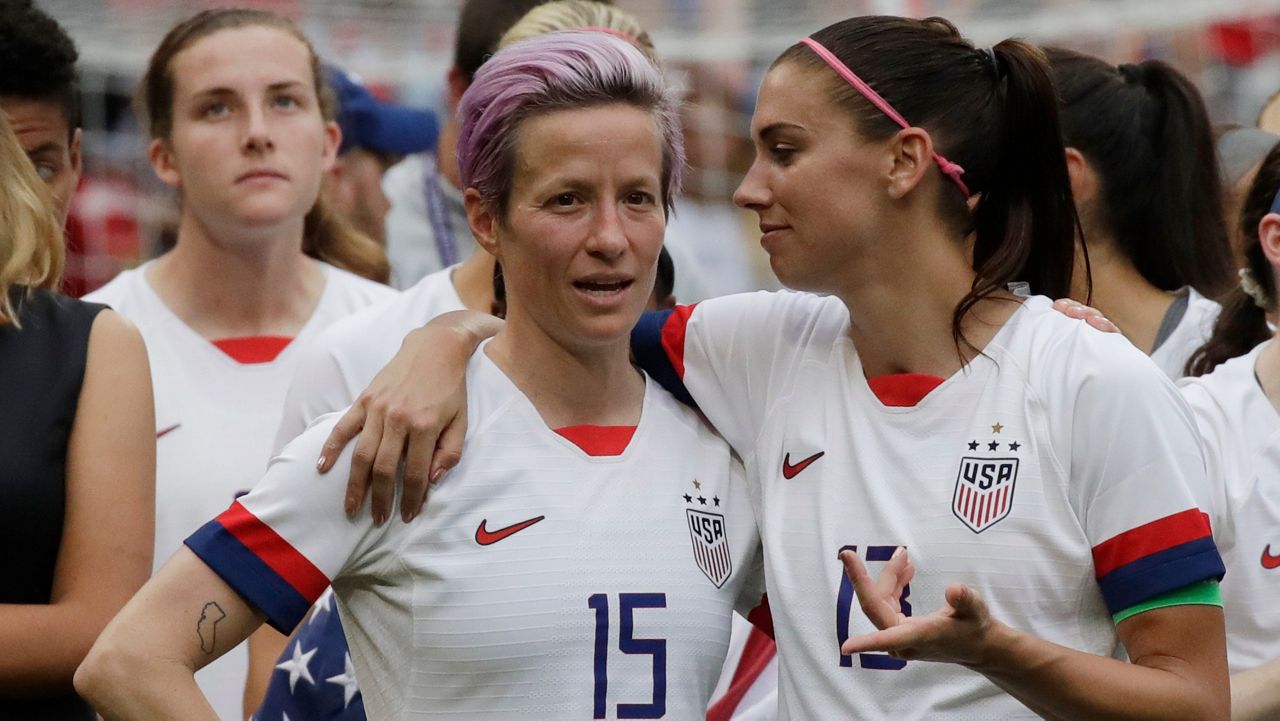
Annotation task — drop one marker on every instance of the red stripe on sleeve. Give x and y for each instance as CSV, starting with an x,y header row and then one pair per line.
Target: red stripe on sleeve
x,y
758,651
673,336
1149,538
761,617
266,544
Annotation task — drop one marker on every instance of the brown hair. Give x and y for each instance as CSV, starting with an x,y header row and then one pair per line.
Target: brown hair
x,y
1243,322
31,250
327,236
995,113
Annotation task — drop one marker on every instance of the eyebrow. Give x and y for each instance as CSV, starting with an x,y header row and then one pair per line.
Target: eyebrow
x,y
47,147
273,87
774,128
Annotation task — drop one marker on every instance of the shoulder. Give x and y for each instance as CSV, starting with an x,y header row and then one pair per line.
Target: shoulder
x,y
1061,350
1225,400
773,317
121,292
350,290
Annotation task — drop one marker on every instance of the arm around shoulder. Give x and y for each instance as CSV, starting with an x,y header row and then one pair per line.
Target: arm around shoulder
x,y
108,532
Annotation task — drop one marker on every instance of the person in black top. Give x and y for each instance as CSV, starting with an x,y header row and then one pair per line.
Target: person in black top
x,y
77,458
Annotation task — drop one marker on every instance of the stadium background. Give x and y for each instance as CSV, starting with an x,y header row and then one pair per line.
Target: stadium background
x,y
401,48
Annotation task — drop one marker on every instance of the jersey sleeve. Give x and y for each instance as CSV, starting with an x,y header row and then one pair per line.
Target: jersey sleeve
x,y
281,545
319,386
1134,458
731,357
1219,442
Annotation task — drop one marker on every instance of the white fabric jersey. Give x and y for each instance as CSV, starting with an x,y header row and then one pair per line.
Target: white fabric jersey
x,y
1192,331
343,359
540,582
215,421
411,237
1051,474
1242,438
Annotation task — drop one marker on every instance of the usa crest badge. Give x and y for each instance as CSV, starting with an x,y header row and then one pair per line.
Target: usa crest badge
x,y
710,545
984,489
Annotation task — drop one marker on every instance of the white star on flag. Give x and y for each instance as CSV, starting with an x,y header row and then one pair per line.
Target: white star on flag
x,y
347,680
324,603
297,666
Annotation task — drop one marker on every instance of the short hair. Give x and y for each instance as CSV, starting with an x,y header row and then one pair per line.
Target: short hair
x,y
559,71
31,248
39,59
560,15
481,25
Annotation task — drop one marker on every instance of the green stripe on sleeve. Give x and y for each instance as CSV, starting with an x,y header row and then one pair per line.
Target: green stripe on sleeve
x,y
1200,593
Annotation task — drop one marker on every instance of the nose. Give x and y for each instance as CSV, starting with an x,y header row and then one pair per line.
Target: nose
x,y
609,234
257,136
753,193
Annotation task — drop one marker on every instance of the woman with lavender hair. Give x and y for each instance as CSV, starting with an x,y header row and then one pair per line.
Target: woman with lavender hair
x,y
584,560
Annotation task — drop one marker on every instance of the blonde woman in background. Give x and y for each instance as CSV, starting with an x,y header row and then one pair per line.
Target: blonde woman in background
x,y
77,468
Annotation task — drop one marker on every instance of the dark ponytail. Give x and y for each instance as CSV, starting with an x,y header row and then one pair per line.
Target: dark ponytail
x,y
995,113
1145,131
1243,323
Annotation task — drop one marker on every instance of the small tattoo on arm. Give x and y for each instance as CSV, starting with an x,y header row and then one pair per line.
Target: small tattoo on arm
x,y
207,626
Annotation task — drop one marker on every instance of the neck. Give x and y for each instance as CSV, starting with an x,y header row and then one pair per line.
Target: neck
x,y
447,153
568,386
262,285
473,280
1122,294
1268,371
901,315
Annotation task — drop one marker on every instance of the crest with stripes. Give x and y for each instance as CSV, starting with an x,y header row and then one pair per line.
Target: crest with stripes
x,y
710,545
984,491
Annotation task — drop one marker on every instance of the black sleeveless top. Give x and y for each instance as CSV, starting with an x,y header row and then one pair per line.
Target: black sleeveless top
x,y
41,371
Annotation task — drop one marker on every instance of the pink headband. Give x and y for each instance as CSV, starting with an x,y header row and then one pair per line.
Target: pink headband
x,y
949,169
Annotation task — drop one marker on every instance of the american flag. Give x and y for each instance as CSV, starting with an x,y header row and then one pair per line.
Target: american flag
x,y
314,678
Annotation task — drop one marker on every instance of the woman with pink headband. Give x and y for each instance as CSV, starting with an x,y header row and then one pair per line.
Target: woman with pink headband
x,y
1026,475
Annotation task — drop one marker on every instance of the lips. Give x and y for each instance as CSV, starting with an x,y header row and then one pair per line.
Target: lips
x,y
604,291
261,174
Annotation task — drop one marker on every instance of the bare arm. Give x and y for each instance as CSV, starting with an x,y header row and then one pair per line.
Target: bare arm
x,y
1178,668
400,416
107,536
265,646
1255,694
143,666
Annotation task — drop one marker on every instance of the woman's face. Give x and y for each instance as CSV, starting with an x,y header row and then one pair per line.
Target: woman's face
x,y
815,185
584,224
249,145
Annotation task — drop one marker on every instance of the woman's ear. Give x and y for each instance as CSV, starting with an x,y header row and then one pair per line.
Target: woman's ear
x,y
332,141
484,221
912,156
162,162
1084,180
1269,238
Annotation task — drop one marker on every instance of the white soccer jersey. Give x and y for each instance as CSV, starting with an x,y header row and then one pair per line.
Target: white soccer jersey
x,y
215,421
540,581
345,357
1192,331
1051,475
1242,439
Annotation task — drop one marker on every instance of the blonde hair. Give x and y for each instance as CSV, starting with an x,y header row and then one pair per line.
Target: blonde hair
x,y
31,250
580,15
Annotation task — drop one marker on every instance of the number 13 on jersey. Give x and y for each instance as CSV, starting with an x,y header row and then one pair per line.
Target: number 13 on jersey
x,y
844,607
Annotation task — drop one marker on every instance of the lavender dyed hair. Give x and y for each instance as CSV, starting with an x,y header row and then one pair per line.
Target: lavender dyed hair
x,y
558,71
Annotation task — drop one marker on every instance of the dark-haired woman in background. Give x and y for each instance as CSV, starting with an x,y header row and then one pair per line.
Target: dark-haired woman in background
x,y
77,463
1145,177
1237,403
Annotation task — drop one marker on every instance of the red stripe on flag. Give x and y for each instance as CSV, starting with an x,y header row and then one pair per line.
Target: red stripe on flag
x,y
1149,538
266,544
673,336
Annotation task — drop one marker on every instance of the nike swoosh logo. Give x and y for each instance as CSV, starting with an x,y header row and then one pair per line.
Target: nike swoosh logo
x,y
789,471
485,537
166,431
1269,561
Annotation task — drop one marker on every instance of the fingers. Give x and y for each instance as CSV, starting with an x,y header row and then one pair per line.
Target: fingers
x,y
348,427
449,446
417,470
966,603
1079,311
877,599
361,464
897,640
386,463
